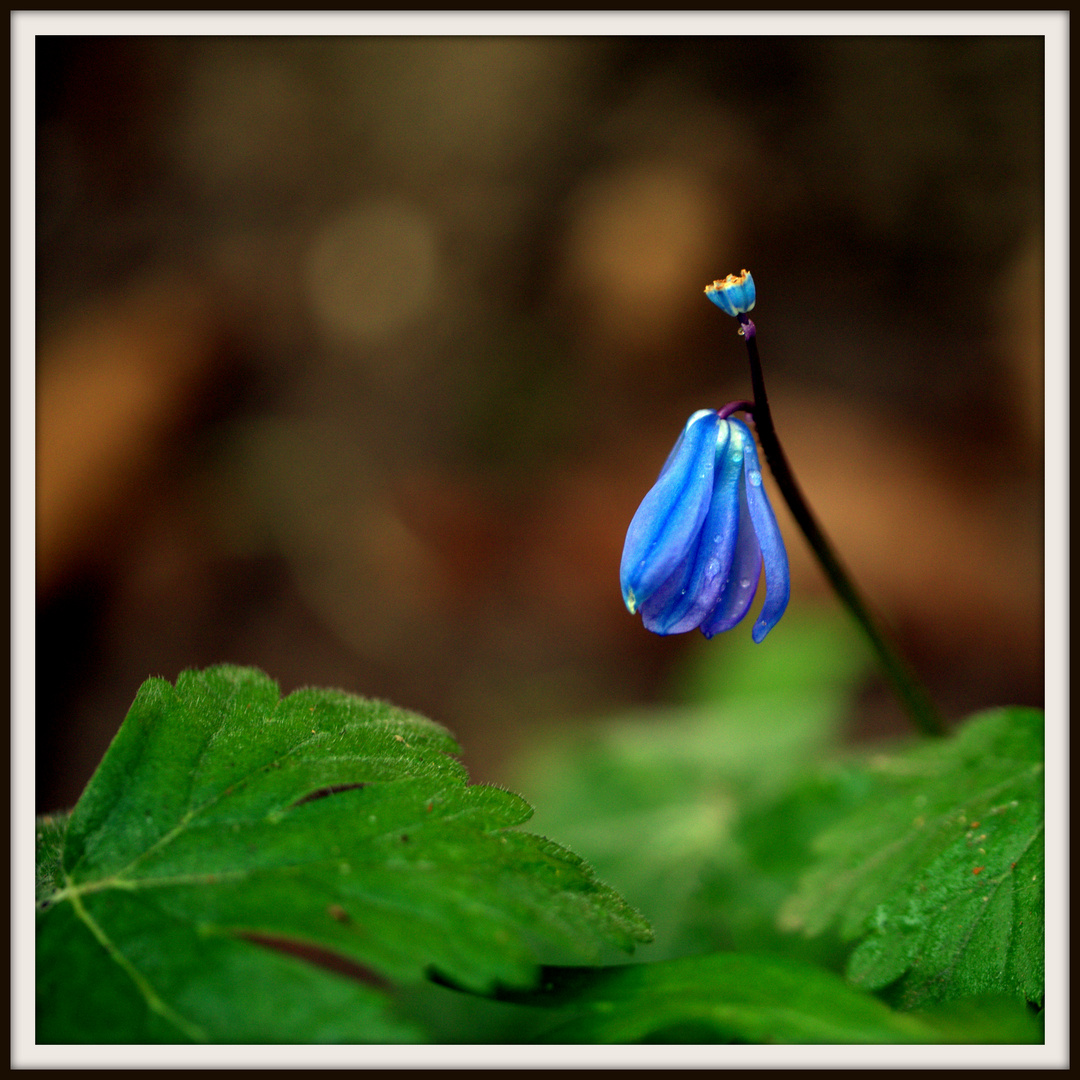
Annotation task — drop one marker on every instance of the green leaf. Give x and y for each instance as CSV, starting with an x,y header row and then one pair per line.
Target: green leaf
x,y
50,843
228,832
159,980
942,868
739,997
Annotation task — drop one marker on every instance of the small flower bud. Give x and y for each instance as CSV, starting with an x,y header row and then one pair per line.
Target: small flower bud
x,y
735,294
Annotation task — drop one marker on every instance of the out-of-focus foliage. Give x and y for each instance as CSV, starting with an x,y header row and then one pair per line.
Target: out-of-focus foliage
x,y
741,823
746,998
704,814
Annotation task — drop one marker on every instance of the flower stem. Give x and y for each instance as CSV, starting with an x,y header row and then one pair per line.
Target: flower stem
x,y
910,691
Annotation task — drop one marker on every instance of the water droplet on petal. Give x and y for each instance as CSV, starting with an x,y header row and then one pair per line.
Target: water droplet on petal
x,y
745,583
754,477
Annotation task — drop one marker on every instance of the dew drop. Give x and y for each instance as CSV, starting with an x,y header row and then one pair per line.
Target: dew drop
x,y
744,583
754,477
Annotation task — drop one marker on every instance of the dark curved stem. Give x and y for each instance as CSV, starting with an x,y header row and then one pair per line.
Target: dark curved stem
x,y
911,692
734,407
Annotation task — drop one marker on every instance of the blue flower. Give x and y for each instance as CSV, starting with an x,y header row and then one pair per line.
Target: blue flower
x,y
695,548
735,294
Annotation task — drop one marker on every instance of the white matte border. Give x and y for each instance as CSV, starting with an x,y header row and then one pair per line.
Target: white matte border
x,y
25,26
488,23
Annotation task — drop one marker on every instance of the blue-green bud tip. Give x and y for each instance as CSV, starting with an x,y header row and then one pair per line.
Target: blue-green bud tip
x,y
735,294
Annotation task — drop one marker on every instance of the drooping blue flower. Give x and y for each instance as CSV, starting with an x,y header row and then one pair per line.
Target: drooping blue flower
x,y
734,294
696,546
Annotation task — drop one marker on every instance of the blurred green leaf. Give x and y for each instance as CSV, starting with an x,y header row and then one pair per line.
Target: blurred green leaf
x,y
942,868
228,832
654,802
738,899
661,799
739,997
816,652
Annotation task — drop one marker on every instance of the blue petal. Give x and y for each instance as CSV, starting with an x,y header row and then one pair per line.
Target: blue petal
x,y
665,527
777,572
692,591
656,611
742,581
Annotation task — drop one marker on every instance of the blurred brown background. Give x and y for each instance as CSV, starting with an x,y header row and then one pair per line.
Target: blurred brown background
x,y
356,356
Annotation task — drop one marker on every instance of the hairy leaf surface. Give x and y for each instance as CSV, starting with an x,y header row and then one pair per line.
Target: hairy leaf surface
x,y
229,836
941,870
